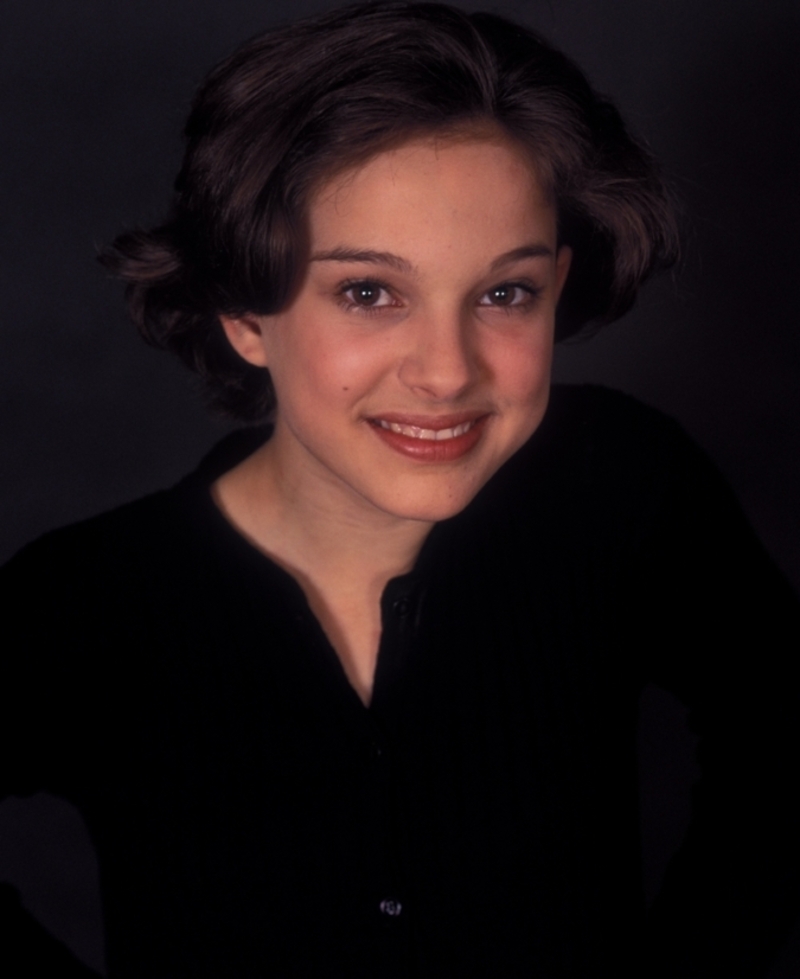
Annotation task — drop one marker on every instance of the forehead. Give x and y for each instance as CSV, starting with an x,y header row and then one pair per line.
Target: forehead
x,y
434,189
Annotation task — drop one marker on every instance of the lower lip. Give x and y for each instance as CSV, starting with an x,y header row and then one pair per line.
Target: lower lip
x,y
432,450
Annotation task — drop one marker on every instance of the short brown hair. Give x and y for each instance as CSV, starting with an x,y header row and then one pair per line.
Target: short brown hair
x,y
298,104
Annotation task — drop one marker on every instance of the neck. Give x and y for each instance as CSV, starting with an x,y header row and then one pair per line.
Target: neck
x,y
315,529
339,548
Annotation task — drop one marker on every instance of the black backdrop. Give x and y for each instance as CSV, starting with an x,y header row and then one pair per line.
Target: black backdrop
x,y
92,97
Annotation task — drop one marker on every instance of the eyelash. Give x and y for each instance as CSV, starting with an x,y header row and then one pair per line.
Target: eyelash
x,y
532,294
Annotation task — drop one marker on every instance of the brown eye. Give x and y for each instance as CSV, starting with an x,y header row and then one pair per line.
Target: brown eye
x,y
367,294
502,295
508,294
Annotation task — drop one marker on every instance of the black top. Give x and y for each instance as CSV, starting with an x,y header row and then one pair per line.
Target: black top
x,y
252,818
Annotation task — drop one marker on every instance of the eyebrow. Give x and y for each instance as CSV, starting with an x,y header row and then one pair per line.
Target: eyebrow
x,y
372,257
342,254
518,254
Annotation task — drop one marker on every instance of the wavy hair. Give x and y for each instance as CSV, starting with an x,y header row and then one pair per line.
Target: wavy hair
x,y
296,105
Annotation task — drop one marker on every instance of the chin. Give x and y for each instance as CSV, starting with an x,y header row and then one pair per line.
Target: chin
x,y
429,507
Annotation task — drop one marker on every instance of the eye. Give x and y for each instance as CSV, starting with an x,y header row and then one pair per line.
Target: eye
x,y
509,294
367,294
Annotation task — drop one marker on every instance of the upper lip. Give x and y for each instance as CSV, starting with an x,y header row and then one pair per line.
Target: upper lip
x,y
435,423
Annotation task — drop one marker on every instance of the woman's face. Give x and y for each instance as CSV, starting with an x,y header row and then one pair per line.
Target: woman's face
x,y
415,358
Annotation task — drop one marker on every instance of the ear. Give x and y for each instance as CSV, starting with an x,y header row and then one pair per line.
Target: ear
x,y
246,335
563,262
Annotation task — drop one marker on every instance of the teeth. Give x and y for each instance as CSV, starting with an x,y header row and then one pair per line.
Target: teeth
x,y
432,435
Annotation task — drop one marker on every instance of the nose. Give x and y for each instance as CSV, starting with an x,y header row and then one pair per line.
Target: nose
x,y
441,363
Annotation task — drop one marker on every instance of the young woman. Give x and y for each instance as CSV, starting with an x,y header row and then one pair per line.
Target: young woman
x,y
358,697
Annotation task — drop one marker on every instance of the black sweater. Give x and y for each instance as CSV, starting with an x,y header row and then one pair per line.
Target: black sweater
x,y
252,818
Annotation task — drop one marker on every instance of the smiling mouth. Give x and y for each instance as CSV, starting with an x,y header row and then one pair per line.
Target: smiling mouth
x,y
426,434
454,436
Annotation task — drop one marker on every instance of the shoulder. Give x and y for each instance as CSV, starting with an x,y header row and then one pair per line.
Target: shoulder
x,y
631,479
595,420
602,453
75,588
614,493
108,604
150,532
67,551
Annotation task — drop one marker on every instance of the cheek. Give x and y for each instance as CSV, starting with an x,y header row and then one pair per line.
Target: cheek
x,y
521,370
337,363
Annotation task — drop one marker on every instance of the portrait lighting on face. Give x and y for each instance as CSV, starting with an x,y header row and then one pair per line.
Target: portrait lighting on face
x,y
415,358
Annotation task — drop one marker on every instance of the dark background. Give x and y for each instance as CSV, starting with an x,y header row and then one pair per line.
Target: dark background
x,y
92,98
